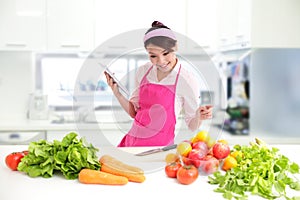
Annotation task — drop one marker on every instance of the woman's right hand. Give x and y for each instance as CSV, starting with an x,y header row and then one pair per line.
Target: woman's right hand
x,y
205,112
113,85
125,103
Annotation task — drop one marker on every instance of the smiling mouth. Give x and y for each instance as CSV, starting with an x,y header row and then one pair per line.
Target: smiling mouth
x,y
163,66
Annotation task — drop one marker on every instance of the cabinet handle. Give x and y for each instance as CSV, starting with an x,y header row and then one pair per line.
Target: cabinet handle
x,y
16,45
70,45
239,36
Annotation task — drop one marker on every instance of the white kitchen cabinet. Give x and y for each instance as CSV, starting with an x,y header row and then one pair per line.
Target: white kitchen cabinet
x,y
22,24
234,24
115,17
243,30
202,24
275,24
70,25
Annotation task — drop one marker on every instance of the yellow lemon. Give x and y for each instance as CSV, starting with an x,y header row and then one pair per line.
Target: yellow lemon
x,y
210,141
171,157
201,136
184,148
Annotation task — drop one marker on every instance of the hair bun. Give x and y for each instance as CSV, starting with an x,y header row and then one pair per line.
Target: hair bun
x,y
158,24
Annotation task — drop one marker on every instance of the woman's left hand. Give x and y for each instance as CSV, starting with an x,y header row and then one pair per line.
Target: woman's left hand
x,y
205,112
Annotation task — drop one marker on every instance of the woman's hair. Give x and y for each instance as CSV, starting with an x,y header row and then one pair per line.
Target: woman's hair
x,y
164,37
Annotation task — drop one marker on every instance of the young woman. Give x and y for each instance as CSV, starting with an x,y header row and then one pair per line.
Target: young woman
x,y
164,89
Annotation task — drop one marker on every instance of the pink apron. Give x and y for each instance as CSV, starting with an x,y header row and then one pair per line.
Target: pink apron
x,y
157,103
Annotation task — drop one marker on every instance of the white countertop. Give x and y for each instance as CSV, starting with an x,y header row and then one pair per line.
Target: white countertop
x,y
103,119
21,124
16,185
40,125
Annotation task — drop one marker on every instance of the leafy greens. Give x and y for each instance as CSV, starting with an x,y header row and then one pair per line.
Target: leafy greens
x,y
261,170
68,156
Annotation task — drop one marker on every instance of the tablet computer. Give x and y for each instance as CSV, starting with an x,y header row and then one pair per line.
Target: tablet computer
x,y
120,85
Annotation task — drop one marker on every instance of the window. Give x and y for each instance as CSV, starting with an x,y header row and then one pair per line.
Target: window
x,y
66,78
60,75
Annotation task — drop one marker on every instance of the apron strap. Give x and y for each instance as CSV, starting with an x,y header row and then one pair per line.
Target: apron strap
x,y
145,76
177,77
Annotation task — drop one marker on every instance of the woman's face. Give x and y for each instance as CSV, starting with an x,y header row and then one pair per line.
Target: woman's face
x,y
163,59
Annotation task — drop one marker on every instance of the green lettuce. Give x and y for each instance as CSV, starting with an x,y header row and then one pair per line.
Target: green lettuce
x,y
261,171
68,156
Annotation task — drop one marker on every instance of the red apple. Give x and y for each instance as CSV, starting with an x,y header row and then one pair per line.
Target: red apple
x,y
196,155
210,164
196,163
200,145
221,150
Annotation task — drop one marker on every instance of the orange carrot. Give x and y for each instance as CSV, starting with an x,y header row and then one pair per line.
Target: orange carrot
x,y
91,176
112,165
131,176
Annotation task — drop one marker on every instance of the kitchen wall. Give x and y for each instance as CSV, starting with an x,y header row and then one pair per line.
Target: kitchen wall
x,y
16,82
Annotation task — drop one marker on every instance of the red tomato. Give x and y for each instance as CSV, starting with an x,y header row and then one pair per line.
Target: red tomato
x,y
172,168
187,174
13,159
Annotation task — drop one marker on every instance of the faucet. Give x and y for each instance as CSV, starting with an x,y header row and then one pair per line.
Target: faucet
x,y
83,112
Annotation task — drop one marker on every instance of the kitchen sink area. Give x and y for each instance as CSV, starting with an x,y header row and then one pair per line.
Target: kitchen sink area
x,y
103,115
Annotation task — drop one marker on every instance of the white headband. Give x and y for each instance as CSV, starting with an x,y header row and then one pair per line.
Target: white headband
x,y
160,32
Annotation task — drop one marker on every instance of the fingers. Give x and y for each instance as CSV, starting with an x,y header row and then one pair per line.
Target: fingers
x,y
109,80
111,83
206,108
107,77
206,112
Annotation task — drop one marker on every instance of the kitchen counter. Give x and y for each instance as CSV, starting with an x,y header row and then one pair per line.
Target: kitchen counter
x,y
103,122
94,131
16,185
40,125
24,125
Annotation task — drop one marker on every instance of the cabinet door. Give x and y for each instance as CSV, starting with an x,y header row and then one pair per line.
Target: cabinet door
x,y
243,30
202,23
227,13
234,24
22,24
115,17
70,25
275,25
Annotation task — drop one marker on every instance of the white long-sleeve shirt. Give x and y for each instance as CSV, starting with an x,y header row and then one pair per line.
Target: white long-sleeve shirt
x,y
187,89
